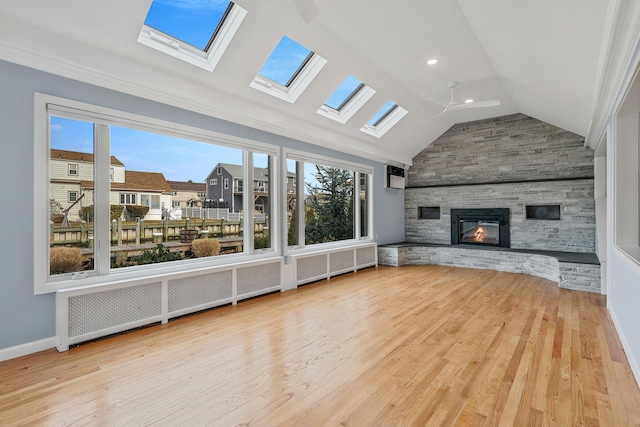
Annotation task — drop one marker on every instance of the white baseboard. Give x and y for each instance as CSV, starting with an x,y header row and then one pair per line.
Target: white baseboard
x,y
631,357
28,348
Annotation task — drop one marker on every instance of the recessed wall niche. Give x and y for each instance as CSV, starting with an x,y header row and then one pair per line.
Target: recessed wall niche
x,y
429,212
549,212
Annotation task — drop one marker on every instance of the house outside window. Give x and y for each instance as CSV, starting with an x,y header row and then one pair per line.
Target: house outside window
x,y
127,198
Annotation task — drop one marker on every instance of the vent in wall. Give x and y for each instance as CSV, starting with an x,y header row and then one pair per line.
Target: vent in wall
x,y
88,313
329,262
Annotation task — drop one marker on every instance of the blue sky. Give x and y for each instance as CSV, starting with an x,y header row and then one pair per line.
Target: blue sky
x,y
178,159
192,21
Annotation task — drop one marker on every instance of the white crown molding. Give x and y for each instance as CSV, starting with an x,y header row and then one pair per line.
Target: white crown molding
x,y
66,68
620,57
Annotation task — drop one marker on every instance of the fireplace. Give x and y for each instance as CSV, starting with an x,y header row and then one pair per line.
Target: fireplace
x,y
484,227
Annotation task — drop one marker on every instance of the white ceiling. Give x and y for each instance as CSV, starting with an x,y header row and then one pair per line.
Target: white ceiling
x,y
541,58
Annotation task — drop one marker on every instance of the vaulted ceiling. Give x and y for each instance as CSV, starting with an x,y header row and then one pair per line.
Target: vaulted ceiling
x,y
542,58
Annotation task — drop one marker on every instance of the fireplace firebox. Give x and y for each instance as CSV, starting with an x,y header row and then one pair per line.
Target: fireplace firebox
x,y
483,226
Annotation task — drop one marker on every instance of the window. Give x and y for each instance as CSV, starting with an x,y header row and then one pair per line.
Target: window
x,y
350,96
335,203
127,198
195,32
262,213
162,151
213,181
73,169
226,183
112,172
219,170
384,119
174,193
175,204
239,186
201,194
288,70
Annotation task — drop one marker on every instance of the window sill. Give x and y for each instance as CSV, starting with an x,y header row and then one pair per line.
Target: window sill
x,y
323,247
151,271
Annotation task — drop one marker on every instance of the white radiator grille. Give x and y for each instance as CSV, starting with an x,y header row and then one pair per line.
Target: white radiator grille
x,y
365,255
340,261
199,290
311,267
257,278
101,310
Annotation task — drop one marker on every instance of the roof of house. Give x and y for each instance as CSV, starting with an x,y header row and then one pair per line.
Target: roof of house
x,y
236,171
138,181
78,156
187,186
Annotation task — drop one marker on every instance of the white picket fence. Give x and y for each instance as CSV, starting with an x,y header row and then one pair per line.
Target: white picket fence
x,y
215,213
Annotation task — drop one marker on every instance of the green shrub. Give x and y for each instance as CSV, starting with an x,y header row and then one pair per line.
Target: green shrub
x,y
115,211
136,211
64,260
261,242
159,254
205,247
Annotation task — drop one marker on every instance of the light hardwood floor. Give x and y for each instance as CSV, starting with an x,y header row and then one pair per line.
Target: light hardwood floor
x,y
416,346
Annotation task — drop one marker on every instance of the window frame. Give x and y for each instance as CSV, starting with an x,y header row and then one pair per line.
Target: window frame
x,y
349,106
46,106
183,51
384,123
299,82
301,156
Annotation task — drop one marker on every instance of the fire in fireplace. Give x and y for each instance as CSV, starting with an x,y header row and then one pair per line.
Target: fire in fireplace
x,y
489,227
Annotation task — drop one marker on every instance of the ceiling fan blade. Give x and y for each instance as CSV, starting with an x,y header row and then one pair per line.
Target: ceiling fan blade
x,y
439,114
478,104
437,101
307,9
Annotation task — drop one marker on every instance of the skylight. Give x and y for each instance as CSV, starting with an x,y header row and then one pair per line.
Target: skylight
x,y
195,25
382,113
197,32
346,100
288,70
345,91
384,119
285,62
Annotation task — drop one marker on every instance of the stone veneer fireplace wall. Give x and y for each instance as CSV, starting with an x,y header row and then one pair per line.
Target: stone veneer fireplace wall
x,y
510,162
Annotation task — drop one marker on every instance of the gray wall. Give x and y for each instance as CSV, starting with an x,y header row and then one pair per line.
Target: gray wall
x,y
26,318
506,162
502,149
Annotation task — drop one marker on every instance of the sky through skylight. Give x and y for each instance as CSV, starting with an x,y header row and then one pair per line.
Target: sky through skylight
x,y
284,61
346,89
386,109
192,21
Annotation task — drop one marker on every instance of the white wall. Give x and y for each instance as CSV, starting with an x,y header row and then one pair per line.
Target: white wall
x,y
26,318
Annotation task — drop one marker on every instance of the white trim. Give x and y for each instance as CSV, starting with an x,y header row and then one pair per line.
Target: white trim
x,y
295,89
27,348
386,124
301,156
631,357
350,108
183,51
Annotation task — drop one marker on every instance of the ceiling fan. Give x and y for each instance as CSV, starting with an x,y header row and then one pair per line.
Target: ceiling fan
x,y
307,9
452,105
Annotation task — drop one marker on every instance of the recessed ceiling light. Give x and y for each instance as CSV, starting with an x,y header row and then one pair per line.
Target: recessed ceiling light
x,y
468,101
432,61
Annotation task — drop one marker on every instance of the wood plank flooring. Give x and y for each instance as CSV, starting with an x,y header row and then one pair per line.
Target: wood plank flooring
x,y
413,346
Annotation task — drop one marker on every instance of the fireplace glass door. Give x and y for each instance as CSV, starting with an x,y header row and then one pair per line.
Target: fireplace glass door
x,y
480,232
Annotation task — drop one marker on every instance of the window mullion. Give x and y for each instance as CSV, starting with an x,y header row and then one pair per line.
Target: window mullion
x,y
247,202
101,202
300,207
355,199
